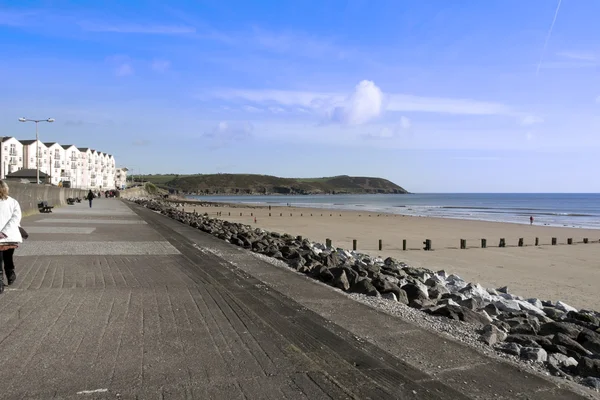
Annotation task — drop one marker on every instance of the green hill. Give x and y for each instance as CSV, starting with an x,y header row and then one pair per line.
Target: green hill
x,y
231,184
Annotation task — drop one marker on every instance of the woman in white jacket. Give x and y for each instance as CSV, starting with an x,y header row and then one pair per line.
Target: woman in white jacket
x,y
10,236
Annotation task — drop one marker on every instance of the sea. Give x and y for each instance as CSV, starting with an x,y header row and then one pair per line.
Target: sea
x,y
563,210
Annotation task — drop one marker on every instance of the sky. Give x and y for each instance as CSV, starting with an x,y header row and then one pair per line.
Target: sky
x,y
436,96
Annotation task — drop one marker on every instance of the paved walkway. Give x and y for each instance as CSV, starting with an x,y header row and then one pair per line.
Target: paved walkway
x,y
120,302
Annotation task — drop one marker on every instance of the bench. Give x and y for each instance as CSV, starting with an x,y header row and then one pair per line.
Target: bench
x,y
44,207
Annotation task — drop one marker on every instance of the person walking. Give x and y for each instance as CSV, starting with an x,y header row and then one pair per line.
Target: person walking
x,y
90,197
10,235
531,220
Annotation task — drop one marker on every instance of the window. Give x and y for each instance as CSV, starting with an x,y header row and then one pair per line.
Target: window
x,y
31,159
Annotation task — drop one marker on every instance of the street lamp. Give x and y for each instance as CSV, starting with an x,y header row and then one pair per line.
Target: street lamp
x,y
37,143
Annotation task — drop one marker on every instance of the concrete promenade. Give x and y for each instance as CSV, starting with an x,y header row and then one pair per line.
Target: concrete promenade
x,y
120,302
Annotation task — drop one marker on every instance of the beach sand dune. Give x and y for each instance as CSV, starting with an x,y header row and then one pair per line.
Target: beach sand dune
x,y
570,273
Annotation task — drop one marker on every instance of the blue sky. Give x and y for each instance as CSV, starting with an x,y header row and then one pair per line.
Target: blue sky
x,y
437,96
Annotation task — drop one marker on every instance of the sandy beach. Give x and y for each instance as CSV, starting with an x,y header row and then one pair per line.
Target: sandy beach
x,y
570,273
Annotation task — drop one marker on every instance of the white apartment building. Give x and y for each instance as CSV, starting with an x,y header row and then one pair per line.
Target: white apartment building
x,y
64,164
121,178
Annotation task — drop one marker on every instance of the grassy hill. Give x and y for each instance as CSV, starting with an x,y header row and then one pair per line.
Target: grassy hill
x,y
227,184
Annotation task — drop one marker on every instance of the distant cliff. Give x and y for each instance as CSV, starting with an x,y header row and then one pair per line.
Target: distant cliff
x,y
248,184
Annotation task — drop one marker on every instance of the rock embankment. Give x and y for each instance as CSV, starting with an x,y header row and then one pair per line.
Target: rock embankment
x,y
549,334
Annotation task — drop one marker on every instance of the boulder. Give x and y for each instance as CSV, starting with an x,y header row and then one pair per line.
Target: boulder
x,y
340,280
553,313
364,286
592,382
389,296
552,328
536,303
507,305
534,354
524,328
525,306
492,335
561,361
510,348
563,340
564,307
437,290
528,340
491,309
461,314
590,340
422,304
415,292
588,367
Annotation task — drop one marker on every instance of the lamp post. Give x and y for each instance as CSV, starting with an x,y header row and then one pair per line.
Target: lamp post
x,y
37,144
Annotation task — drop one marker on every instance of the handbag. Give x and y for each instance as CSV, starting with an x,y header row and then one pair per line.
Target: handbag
x,y
24,233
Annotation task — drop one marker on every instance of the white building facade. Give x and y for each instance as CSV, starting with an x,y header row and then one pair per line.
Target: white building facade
x,y
77,167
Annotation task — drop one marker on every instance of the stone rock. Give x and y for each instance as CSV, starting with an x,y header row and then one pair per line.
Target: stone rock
x,y
534,354
492,335
507,305
525,306
561,361
364,286
524,328
564,307
592,382
461,314
563,340
476,291
590,340
588,367
389,296
510,348
472,303
414,292
528,340
421,304
552,328
553,313
446,302
503,289
437,290
535,302
340,280
491,309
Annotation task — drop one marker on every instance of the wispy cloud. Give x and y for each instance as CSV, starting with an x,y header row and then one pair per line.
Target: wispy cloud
x,y
391,132
328,101
529,120
121,65
578,55
17,18
90,26
161,65
227,132
141,142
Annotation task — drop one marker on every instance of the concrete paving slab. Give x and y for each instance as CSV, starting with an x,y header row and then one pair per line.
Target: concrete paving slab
x,y
81,248
91,221
59,229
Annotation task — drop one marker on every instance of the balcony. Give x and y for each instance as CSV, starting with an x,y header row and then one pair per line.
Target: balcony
x,y
57,156
93,176
73,158
13,152
73,166
13,162
92,183
65,175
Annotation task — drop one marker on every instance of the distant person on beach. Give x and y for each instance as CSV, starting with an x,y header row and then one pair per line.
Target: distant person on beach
x,y
531,220
90,197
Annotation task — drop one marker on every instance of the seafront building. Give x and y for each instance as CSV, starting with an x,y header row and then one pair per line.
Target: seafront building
x,y
60,164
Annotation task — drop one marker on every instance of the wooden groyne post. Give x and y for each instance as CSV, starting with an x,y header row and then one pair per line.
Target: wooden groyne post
x,y
380,244
427,244
328,242
570,241
354,244
463,244
585,240
553,241
483,243
404,244
520,242
537,241
502,243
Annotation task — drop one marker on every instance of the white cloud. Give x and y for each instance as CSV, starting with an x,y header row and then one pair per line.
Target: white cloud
x,y
251,109
391,132
230,131
136,28
365,104
276,110
161,65
367,97
124,70
529,120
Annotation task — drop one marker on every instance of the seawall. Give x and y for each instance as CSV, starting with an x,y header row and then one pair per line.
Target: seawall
x,y
29,195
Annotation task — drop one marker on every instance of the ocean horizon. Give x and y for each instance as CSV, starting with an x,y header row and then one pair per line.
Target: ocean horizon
x,y
579,210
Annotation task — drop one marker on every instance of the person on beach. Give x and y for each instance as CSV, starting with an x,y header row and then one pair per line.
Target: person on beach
x,y
90,197
10,235
531,220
